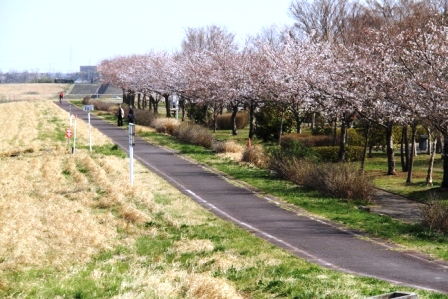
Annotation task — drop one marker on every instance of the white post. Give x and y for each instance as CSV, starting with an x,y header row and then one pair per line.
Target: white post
x,y
90,132
74,138
131,153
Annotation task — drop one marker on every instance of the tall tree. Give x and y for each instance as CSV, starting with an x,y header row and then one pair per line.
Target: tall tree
x,y
324,20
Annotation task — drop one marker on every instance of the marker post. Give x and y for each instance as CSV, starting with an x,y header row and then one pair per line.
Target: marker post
x,y
89,108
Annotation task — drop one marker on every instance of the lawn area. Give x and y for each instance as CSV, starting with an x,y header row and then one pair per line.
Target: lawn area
x,y
376,167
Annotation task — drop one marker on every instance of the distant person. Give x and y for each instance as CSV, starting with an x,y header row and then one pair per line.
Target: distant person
x,y
120,116
131,117
61,97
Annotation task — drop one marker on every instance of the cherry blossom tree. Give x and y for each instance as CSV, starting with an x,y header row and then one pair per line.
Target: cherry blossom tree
x,y
423,54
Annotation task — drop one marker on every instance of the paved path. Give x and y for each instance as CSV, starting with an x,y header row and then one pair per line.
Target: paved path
x,y
397,207
318,241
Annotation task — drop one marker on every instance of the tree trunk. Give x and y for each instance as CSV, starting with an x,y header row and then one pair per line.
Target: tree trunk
x,y
411,158
342,143
366,143
429,147
127,98
335,131
445,160
182,107
167,104
431,161
151,103
280,129
251,120
313,120
298,124
144,103
215,118
404,152
155,105
390,151
298,120
131,99
138,101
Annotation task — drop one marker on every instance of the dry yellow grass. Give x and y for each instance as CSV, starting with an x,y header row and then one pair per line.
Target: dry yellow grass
x,y
30,124
229,150
56,208
31,91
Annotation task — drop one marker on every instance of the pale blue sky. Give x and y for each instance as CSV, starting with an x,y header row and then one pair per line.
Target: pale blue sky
x,y
61,35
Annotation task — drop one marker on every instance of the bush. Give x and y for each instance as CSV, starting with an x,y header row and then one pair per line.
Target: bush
x,y
103,106
228,147
341,180
99,105
355,138
322,130
255,155
435,214
199,113
241,120
268,120
309,140
165,125
328,153
293,169
194,134
331,153
86,100
145,117
293,148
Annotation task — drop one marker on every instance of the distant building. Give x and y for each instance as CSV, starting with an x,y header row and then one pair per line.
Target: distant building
x,y
87,69
88,73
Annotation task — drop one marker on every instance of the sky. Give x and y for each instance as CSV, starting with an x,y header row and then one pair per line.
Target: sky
x,y
61,35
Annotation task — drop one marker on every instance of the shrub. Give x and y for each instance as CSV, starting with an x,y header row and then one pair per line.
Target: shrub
x,y
145,117
328,153
331,153
342,180
199,113
293,148
309,140
241,120
268,120
194,134
228,147
354,153
293,169
255,155
86,100
435,214
322,130
355,137
103,106
165,125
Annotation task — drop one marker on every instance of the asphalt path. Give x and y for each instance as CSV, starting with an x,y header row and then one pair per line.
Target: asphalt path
x,y
313,239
